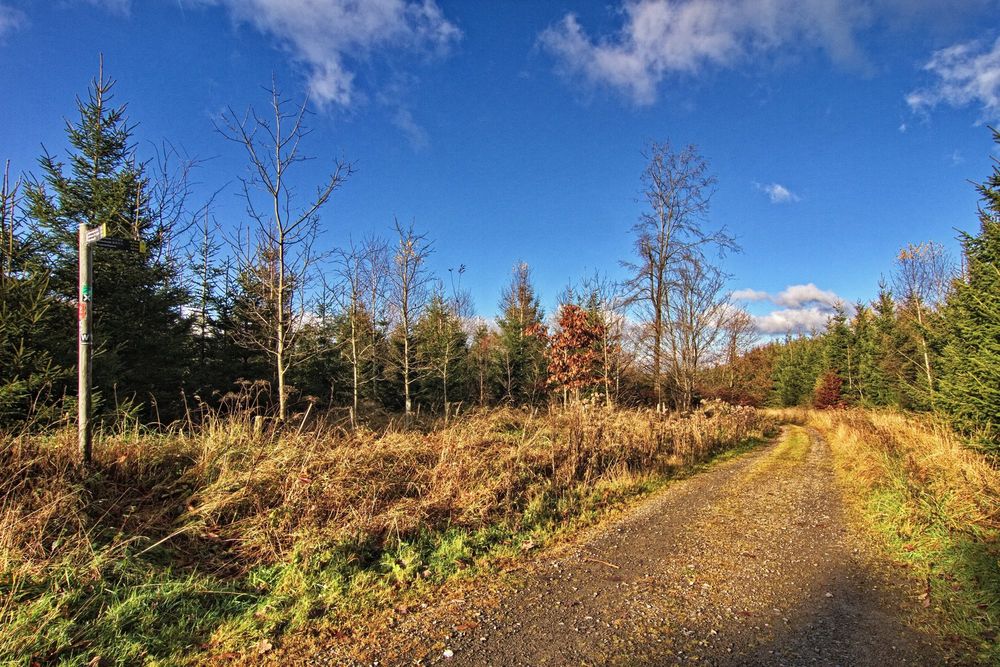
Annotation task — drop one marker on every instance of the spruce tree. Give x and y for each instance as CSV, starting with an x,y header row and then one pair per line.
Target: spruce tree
x,y
442,349
33,323
889,367
362,344
214,353
482,365
322,374
838,349
521,348
247,317
868,383
141,337
796,369
970,386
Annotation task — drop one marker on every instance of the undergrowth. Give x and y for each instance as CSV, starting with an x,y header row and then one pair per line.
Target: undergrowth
x,y
935,504
215,541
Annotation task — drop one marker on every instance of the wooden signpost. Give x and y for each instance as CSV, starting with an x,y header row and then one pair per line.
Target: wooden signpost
x,y
88,239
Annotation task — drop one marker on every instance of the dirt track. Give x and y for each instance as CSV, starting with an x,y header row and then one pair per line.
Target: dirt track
x,y
749,563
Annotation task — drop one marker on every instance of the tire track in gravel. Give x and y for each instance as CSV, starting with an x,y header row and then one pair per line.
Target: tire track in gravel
x,y
750,562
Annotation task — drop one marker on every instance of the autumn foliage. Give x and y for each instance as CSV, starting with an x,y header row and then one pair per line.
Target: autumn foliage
x,y
574,349
828,393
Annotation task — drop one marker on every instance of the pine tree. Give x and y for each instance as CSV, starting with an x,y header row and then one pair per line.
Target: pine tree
x,y
838,353
32,322
441,350
971,383
141,337
796,369
521,349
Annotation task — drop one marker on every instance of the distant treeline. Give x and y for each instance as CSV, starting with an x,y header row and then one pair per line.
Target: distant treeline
x,y
929,342
249,307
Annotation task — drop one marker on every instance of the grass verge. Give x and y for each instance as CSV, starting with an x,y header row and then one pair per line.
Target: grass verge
x,y
934,504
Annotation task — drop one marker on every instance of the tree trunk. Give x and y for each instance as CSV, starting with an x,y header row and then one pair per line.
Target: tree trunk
x,y
406,370
926,355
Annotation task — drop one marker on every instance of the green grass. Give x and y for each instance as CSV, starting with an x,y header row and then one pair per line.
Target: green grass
x,y
962,569
124,611
794,447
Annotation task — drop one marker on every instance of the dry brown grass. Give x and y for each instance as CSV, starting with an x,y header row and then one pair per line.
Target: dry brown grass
x,y
875,447
265,495
259,492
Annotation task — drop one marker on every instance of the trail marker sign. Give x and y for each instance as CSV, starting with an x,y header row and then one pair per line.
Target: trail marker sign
x,y
97,233
129,245
88,240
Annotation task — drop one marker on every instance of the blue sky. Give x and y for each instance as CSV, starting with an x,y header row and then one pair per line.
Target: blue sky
x,y
839,131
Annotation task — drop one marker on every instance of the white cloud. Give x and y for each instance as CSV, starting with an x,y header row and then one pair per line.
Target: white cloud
x,y
793,320
803,308
11,19
966,74
749,295
795,296
330,37
777,193
659,38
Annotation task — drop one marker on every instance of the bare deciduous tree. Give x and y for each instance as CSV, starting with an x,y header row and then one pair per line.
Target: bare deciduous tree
x,y
921,280
408,281
362,270
695,319
168,191
677,190
376,281
740,335
279,246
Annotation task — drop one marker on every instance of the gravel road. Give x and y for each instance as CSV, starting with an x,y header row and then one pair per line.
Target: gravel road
x,y
749,563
